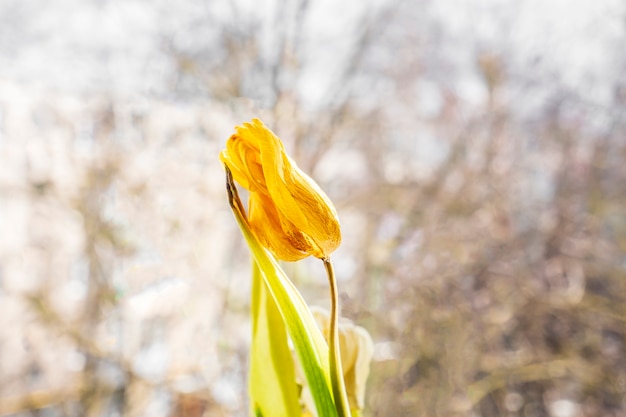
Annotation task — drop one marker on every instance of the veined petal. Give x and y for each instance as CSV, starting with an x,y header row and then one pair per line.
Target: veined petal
x,y
323,223
268,228
278,169
243,158
239,175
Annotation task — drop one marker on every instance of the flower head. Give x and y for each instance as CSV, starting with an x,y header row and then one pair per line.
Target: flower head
x,y
288,212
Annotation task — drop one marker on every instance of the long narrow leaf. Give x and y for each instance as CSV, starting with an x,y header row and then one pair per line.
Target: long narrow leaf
x,y
273,389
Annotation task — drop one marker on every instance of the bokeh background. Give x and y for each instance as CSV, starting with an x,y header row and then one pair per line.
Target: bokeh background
x,y
476,152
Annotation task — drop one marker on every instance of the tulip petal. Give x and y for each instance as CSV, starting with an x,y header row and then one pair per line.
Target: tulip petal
x,y
264,221
277,168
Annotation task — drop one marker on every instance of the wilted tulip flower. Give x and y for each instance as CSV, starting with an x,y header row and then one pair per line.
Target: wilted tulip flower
x,y
288,212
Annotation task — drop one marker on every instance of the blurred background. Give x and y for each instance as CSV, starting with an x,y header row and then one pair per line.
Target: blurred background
x,y
475,151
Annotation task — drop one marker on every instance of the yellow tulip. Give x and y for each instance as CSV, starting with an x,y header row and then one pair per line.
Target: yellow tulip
x,y
287,211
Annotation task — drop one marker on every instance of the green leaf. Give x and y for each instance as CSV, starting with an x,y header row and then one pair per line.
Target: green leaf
x,y
272,380
309,344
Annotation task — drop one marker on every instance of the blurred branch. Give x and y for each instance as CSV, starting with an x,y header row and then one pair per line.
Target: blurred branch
x,y
40,399
558,368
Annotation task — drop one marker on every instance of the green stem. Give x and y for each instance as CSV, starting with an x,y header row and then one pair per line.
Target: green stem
x,y
334,359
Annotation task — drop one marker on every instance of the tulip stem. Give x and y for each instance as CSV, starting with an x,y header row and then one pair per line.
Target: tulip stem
x,y
334,354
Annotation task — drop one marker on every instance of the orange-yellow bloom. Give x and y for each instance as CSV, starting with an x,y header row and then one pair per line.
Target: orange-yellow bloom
x,y
288,212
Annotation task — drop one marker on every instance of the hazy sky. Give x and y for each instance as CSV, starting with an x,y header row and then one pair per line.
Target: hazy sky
x,y
120,46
